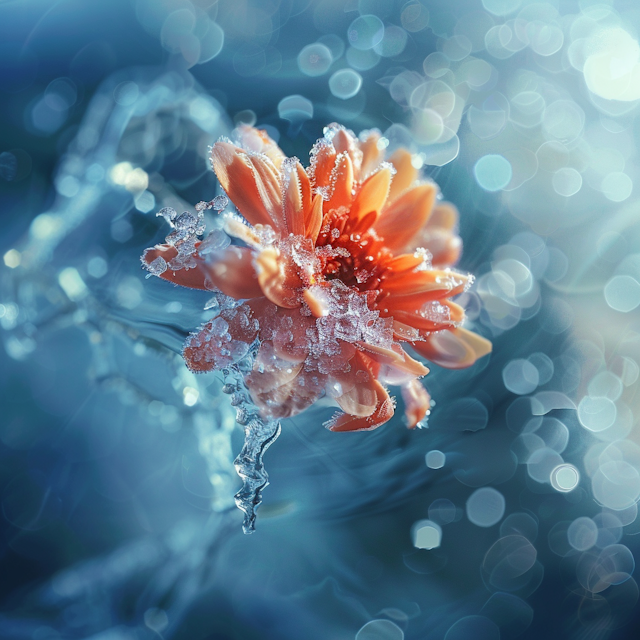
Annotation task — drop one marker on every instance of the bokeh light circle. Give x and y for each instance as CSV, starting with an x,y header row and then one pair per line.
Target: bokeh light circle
x,y
426,534
345,83
485,507
435,459
596,413
314,59
565,478
493,172
622,293
566,182
366,32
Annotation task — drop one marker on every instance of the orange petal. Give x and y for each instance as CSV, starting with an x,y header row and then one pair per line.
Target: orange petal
x,y
345,142
444,246
442,314
323,160
313,221
439,235
405,262
258,141
399,223
358,387
277,283
342,183
251,182
372,195
383,412
396,364
316,301
371,154
361,399
297,196
453,349
406,173
409,288
445,215
234,275
192,278
417,402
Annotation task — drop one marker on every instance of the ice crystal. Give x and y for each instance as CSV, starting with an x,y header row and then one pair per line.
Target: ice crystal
x,y
155,267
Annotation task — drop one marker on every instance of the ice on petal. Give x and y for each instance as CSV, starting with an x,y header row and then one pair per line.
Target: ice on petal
x,y
156,267
217,240
169,214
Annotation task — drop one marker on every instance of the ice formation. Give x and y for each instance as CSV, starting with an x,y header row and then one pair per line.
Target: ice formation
x,y
318,280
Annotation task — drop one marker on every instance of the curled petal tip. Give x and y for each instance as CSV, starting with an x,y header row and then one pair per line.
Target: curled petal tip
x,y
417,403
454,349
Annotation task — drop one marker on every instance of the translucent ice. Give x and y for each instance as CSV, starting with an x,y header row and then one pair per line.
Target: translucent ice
x,y
259,435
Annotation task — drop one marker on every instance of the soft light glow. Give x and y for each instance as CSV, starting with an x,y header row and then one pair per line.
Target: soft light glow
x,y
612,71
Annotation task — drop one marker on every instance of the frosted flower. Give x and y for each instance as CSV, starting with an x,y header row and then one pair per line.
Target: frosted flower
x,y
336,267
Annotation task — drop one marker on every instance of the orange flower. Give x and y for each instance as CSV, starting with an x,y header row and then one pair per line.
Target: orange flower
x,y
339,264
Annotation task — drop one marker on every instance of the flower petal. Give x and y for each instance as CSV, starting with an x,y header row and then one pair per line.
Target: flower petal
x,y
290,340
278,283
453,349
372,195
371,153
396,365
313,221
361,399
252,183
417,402
323,159
287,399
345,142
191,278
342,186
445,215
405,262
296,196
410,287
441,314
233,273
399,222
258,141
406,173
444,246
439,236
383,412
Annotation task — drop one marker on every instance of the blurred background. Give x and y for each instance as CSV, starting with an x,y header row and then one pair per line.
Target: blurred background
x,y
513,515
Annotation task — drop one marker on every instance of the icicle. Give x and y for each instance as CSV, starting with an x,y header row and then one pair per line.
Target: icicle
x,y
258,437
259,434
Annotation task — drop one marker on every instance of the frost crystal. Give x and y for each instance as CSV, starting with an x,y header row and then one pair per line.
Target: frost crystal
x,y
187,227
435,312
213,344
219,203
155,267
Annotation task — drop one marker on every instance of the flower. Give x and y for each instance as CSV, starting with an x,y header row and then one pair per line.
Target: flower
x,y
336,267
